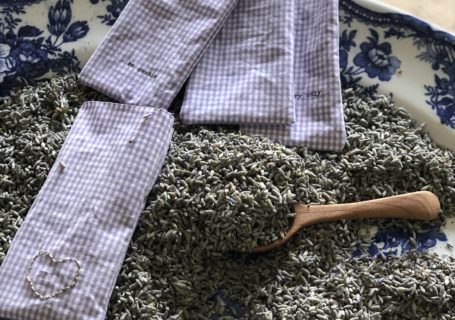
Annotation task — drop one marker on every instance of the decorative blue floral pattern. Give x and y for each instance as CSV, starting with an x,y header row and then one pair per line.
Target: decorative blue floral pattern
x,y
365,61
436,48
25,55
442,95
393,241
113,10
376,58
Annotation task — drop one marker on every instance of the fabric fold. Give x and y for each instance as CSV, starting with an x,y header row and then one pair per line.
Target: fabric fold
x,y
319,110
65,258
154,45
246,74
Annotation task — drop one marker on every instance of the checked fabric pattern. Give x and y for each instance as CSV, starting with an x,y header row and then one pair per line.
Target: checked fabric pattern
x,y
150,51
85,214
318,106
246,74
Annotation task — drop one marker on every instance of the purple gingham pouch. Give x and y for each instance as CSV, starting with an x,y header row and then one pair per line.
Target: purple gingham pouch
x,y
150,51
246,74
318,106
65,258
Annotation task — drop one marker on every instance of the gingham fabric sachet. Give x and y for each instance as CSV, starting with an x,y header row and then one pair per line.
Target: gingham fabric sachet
x,y
65,258
246,74
318,106
150,51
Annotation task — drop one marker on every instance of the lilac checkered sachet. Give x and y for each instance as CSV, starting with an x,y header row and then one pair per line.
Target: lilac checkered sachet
x,y
319,110
150,51
65,258
246,74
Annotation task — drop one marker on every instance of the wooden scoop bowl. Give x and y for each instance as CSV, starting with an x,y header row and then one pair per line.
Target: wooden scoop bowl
x,y
421,205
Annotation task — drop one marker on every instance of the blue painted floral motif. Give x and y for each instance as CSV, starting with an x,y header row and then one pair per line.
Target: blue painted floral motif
x,y
59,18
376,58
350,76
393,241
25,55
442,95
436,48
114,9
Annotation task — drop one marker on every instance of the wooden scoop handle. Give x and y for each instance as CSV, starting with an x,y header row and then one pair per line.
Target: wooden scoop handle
x,y
421,205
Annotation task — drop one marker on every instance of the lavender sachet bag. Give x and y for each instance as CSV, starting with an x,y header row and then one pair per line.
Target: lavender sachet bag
x,y
154,45
246,74
318,106
65,258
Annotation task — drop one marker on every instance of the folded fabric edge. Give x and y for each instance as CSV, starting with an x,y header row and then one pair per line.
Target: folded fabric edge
x,y
210,119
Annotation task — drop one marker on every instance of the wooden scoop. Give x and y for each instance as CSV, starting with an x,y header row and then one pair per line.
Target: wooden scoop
x,y
421,205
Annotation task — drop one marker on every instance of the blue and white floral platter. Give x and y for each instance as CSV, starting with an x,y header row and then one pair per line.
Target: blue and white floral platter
x,y
381,50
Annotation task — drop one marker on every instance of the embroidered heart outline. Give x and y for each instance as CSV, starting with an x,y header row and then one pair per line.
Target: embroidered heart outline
x,y
69,286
